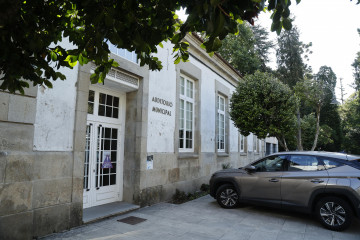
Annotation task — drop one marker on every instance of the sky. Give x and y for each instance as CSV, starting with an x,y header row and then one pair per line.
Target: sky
x,y
331,26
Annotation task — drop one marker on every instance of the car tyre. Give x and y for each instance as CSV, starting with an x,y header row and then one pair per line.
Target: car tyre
x,y
227,196
334,213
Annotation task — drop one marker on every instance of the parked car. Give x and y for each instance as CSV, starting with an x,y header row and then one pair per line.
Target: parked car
x,y
323,183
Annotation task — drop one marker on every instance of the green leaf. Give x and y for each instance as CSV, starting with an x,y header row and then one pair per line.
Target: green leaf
x,y
48,84
286,13
72,60
275,25
287,24
94,78
81,59
53,56
161,45
217,44
177,60
176,38
220,24
115,64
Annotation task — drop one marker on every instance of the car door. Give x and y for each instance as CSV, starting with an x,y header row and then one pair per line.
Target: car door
x,y
304,175
263,183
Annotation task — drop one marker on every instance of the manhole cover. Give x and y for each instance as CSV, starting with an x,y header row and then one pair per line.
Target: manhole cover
x,y
132,220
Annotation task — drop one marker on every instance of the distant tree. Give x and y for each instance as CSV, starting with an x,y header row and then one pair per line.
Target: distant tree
x,y
291,67
264,106
351,123
239,50
356,66
289,57
248,50
308,127
263,44
32,31
317,92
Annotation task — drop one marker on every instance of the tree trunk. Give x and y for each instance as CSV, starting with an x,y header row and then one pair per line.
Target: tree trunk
x,y
317,127
298,137
282,142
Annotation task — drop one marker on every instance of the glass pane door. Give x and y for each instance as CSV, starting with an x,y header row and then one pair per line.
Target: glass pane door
x,y
106,156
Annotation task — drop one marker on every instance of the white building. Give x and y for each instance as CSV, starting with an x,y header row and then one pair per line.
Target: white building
x,y
136,138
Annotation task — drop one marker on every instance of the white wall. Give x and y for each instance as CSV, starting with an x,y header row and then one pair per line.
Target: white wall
x,y
161,126
162,86
55,113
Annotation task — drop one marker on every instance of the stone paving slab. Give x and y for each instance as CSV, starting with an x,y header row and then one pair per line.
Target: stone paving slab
x,y
204,219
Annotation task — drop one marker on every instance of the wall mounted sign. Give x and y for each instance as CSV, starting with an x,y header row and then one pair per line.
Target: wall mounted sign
x,y
107,161
160,109
150,162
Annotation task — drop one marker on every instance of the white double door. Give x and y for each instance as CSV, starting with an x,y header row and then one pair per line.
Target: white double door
x,y
104,151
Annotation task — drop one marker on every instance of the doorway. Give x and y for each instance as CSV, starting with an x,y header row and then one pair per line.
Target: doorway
x,y
104,150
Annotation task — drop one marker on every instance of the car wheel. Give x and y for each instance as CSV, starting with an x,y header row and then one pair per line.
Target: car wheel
x,y
227,196
334,213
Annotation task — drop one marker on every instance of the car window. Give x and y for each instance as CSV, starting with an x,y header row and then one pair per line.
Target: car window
x,y
331,163
304,163
270,164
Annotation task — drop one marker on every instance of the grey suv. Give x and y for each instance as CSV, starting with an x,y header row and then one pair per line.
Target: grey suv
x,y
324,183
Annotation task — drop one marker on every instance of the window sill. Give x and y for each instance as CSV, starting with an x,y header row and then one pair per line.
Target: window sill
x,y
243,154
222,154
183,155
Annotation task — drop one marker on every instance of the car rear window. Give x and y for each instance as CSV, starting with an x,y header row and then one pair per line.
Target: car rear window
x,y
356,161
330,163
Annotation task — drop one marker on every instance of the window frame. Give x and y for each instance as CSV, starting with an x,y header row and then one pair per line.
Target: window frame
x,y
123,53
221,129
186,99
242,145
319,167
255,144
283,157
95,115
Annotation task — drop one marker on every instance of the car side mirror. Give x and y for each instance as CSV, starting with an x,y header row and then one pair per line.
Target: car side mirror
x,y
250,168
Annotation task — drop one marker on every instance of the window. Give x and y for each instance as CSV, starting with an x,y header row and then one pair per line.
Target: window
x,y
256,143
131,56
108,106
242,143
221,124
330,163
274,148
304,163
102,104
91,101
186,116
268,149
270,164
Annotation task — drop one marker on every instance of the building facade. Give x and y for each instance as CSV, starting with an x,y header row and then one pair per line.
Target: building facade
x,y
136,138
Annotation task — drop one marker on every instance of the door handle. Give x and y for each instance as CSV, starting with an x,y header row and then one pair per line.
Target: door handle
x,y
273,180
317,181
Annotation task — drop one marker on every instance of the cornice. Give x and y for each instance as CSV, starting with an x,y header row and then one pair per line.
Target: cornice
x,y
216,63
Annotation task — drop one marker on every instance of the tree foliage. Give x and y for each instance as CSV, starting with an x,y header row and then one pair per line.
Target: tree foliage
x,y
247,50
264,106
31,32
351,123
316,92
289,57
262,44
356,66
308,127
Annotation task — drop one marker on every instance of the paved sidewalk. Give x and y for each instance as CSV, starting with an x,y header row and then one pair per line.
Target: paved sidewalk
x,y
203,219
